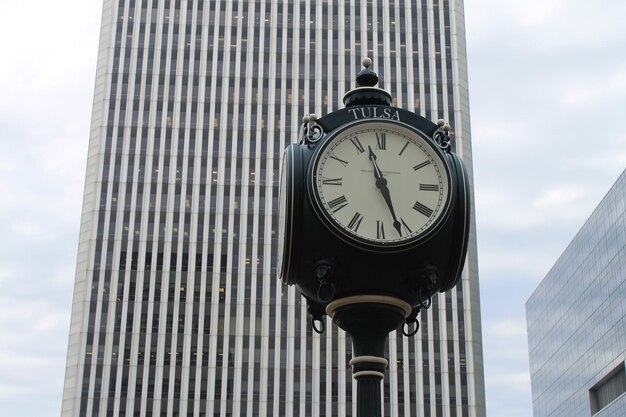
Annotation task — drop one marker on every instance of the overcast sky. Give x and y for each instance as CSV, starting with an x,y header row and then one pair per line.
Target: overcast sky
x,y
548,104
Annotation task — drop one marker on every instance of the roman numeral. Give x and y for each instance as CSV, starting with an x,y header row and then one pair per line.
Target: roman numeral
x,y
338,203
422,209
341,161
357,144
420,166
429,187
331,181
381,141
380,230
406,227
356,221
403,148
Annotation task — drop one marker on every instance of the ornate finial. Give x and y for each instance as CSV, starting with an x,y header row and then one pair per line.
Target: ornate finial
x,y
366,91
366,77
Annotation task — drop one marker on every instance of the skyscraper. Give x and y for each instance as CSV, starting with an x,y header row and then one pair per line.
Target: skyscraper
x,y
177,306
577,320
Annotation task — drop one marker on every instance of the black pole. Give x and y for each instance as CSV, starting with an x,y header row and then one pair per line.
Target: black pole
x,y
368,396
369,325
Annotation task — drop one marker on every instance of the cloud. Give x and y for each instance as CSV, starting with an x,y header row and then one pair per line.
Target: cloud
x,y
548,92
595,90
46,78
506,366
507,327
558,197
546,25
32,350
531,206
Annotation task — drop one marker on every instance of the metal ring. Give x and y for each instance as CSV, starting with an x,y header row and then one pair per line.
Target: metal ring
x,y
325,292
407,324
315,329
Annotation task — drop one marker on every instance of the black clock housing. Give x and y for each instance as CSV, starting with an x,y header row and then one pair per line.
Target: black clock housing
x,y
326,263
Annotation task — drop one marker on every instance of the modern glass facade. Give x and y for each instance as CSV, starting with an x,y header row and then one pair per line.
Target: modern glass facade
x,y
577,320
178,310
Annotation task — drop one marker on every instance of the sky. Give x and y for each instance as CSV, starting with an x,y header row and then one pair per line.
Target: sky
x,y
548,100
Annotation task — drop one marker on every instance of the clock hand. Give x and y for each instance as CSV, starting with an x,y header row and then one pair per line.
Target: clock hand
x,y
378,174
381,184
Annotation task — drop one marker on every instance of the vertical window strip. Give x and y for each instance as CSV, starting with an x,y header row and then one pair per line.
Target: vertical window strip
x,y
183,177
214,194
411,56
205,143
342,46
161,246
329,50
444,301
434,33
97,369
192,308
135,281
150,206
218,353
247,384
398,52
456,340
239,293
429,62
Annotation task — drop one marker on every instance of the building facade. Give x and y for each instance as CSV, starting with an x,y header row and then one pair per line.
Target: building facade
x,y
177,307
577,320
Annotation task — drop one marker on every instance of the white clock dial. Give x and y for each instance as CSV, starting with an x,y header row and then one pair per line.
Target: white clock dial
x,y
381,183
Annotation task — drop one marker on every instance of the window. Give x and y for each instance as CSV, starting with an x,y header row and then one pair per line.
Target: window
x,y
608,389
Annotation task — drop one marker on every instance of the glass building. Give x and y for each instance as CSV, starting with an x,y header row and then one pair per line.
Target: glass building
x,y
177,307
577,320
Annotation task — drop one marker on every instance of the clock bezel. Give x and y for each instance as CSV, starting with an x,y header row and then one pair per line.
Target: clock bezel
x,y
462,222
292,172
344,234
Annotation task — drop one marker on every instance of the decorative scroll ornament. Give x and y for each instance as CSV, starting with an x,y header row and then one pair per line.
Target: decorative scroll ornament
x,y
310,132
442,135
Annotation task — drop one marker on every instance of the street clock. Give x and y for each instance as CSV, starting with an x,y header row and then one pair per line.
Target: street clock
x,y
372,202
373,221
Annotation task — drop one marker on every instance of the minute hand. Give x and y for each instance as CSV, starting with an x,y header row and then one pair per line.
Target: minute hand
x,y
381,184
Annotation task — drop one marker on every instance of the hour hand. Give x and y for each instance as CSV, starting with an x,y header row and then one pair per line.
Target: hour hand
x,y
378,174
381,184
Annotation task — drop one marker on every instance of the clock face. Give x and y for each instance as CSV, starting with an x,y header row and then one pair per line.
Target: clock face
x,y
381,184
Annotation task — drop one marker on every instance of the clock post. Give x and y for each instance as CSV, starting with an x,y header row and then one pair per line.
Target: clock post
x,y
374,221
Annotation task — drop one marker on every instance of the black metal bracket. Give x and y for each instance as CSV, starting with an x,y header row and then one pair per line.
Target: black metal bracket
x,y
316,313
410,320
325,273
